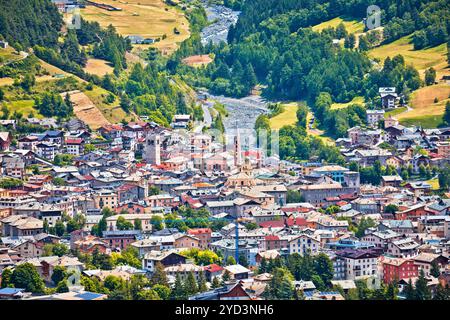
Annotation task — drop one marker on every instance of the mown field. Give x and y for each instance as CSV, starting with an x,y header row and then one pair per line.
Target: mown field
x,y
147,18
395,112
8,55
434,183
287,117
90,105
355,100
25,107
421,59
317,132
113,113
351,25
426,112
98,67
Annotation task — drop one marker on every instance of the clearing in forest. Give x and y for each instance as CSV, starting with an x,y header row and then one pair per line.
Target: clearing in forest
x,y
287,117
351,25
355,100
425,111
86,110
423,59
98,67
147,18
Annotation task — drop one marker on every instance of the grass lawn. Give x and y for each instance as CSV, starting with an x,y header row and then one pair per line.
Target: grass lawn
x,y
317,132
427,122
98,67
23,106
425,111
112,112
287,117
147,18
356,100
421,59
351,25
395,112
6,81
8,55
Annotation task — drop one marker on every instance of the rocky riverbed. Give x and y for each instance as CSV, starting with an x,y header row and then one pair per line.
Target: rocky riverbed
x,y
222,18
242,113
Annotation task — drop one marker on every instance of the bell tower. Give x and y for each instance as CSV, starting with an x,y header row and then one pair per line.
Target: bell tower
x,y
152,149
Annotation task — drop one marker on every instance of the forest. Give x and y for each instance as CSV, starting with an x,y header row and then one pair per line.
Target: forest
x,y
25,23
272,44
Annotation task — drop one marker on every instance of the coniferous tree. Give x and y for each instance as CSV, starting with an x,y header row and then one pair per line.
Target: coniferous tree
x,y
422,291
262,266
441,293
202,287
178,292
190,285
350,41
392,291
434,271
409,291
6,278
159,275
226,276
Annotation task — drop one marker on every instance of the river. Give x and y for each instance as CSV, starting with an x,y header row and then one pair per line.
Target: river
x,y
242,113
222,18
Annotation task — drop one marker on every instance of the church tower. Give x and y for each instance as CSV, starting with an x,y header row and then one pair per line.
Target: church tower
x,y
152,149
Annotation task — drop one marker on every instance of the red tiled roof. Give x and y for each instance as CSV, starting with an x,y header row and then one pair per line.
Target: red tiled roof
x,y
213,268
18,192
31,186
74,141
348,196
199,230
110,127
273,224
297,221
125,187
250,153
272,238
298,209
